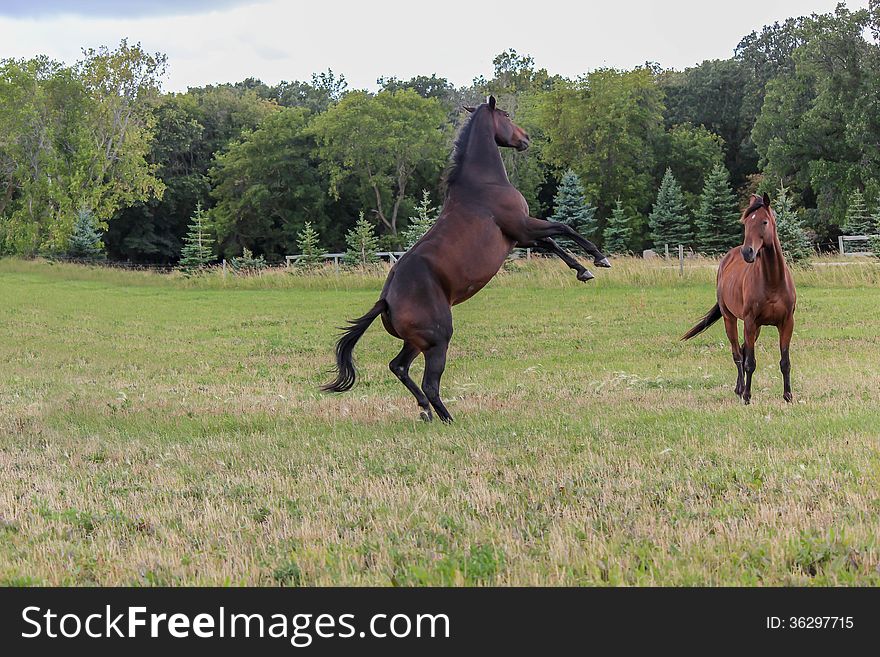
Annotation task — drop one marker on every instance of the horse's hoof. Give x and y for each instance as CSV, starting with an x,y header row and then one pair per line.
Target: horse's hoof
x,y
747,400
602,263
787,397
585,275
425,416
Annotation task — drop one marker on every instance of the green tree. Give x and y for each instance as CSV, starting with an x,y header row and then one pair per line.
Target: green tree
x,y
817,129
380,141
75,136
790,230
716,96
325,90
153,230
691,152
267,185
85,242
362,243
717,219
669,220
426,215
309,244
570,206
874,232
618,232
247,264
198,245
607,127
858,220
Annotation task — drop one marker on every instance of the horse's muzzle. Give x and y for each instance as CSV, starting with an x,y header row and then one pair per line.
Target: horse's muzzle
x,y
748,254
523,144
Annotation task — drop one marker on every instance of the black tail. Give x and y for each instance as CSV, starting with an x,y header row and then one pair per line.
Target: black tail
x,y
345,371
708,319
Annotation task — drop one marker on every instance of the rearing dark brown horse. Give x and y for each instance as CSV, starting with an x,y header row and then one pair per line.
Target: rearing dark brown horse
x,y
755,285
482,219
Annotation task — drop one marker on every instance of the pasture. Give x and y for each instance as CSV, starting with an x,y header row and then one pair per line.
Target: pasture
x,y
157,430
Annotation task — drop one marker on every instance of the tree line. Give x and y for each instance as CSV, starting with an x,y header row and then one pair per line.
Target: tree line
x,y
655,156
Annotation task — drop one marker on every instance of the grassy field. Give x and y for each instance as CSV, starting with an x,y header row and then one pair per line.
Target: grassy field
x,y
161,430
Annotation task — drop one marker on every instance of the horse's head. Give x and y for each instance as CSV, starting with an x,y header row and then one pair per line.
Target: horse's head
x,y
507,133
760,227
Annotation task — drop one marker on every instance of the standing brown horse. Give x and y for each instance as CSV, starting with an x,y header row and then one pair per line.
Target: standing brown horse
x,y
755,285
482,219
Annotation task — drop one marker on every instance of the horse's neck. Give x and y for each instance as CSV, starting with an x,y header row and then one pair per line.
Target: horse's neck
x,y
773,267
482,162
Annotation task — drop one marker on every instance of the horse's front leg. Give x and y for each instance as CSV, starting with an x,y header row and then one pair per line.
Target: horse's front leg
x,y
785,331
529,230
752,330
548,245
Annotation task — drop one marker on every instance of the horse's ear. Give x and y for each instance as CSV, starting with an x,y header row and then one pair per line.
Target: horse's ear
x,y
766,199
491,101
467,109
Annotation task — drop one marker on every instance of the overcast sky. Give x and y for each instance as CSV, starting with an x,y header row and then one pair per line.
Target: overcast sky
x,y
228,40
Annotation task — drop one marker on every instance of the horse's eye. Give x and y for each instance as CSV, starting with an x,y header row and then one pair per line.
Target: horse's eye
x,y
765,222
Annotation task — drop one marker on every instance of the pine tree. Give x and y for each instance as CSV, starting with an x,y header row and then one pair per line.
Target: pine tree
x,y
570,207
309,245
668,220
618,232
874,242
717,219
858,221
247,264
426,215
362,243
85,242
795,243
198,246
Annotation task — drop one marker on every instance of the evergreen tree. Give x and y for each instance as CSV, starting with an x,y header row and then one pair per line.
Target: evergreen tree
x,y
717,219
795,243
362,243
421,223
198,246
874,242
247,264
308,242
618,231
570,207
668,220
85,242
858,221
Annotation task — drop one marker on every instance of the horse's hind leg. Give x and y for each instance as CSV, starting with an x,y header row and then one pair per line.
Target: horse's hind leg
x,y
435,363
400,367
736,350
785,331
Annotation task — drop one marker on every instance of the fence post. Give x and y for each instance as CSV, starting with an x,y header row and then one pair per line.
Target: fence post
x,y
840,243
666,247
224,269
336,264
528,254
681,259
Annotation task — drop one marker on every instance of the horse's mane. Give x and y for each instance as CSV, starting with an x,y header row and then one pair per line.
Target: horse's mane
x,y
456,159
757,203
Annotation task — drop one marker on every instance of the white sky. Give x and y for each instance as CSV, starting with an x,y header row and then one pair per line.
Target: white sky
x,y
288,39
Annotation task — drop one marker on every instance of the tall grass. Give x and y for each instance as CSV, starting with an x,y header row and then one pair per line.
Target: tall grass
x,y
823,271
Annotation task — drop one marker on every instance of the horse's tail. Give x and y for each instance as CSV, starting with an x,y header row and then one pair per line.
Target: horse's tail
x,y
345,370
708,319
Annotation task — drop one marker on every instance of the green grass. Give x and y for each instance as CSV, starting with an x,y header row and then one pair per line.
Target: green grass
x,y
160,430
